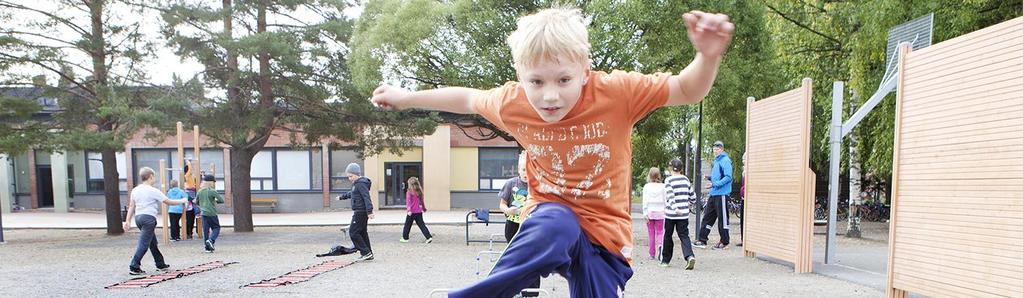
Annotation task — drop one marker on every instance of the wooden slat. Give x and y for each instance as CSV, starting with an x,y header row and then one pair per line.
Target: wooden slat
x,y
967,198
956,242
993,128
993,283
968,42
937,233
976,161
969,149
938,102
967,66
995,55
969,227
967,122
982,211
933,287
966,255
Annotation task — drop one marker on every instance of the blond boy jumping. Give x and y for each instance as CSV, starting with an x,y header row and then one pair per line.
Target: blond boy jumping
x,y
576,125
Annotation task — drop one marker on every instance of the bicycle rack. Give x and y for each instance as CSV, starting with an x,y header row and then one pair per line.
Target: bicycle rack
x,y
479,258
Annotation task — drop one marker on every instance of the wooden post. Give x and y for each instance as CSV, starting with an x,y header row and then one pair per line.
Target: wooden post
x,y
181,181
163,207
890,290
803,263
198,163
742,233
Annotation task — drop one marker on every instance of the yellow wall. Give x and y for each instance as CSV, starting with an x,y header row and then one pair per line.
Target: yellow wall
x,y
414,154
464,169
437,162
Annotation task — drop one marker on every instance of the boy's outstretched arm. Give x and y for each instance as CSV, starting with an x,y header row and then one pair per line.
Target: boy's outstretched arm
x,y
450,99
710,34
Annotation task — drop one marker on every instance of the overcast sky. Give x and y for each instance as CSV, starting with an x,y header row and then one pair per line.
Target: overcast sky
x,y
161,69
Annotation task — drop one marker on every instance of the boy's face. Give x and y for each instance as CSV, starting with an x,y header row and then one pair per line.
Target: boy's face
x,y
553,88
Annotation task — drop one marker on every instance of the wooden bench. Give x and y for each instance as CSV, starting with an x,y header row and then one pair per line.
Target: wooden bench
x,y
265,202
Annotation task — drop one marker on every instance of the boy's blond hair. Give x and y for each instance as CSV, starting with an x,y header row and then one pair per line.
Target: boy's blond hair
x,y
555,34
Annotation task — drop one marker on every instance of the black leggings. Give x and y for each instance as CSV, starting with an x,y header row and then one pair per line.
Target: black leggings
x,y
418,218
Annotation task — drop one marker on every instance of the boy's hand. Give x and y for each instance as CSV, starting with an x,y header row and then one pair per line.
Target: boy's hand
x,y
710,33
126,226
389,97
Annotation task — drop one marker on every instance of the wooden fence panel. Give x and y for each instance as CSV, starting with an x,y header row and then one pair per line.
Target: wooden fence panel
x,y
779,191
957,197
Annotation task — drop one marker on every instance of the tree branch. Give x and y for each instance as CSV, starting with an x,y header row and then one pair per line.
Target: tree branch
x,y
804,26
67,22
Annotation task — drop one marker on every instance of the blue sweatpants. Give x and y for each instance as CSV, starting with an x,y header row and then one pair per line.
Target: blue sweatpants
x,y
550,240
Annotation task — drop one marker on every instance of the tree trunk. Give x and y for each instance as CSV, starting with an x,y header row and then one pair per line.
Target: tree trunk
x,y
112,192
111,181
241,177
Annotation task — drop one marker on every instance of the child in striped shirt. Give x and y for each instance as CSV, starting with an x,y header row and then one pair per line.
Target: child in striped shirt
x,y
676,215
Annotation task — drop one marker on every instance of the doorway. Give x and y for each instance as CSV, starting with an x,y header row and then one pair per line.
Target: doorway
x,y
395,176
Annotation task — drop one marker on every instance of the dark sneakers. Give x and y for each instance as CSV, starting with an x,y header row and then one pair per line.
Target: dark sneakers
x,y
165,267
720,246
136,271
700,244
209,246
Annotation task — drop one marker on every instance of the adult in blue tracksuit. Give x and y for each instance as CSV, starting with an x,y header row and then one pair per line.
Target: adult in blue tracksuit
x,y
720,188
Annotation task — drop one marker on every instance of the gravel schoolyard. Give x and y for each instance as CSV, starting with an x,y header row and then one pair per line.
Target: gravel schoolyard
x,y
82,262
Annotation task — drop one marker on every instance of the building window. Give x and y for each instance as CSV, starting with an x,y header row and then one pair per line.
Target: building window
x,y
497,165
316,163
293,170
212,160
94,172
261,172
339,160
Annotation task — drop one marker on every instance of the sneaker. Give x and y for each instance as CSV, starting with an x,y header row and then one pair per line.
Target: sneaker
x,y
403,240
663,265
175,240
365,257
165,267
738,244
720,246
136,271
428,240
208,246
700,244
690,263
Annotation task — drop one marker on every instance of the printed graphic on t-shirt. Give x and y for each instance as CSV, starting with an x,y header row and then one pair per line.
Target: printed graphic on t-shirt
x,y
594,153
519,196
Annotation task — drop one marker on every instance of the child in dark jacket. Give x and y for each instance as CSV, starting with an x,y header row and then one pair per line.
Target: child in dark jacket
x,y
362,205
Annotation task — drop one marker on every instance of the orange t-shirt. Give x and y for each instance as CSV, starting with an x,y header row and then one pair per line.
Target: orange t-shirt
x,y
583,161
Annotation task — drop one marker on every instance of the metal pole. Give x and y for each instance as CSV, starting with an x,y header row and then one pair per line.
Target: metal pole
x,y
698,179
836,157
2,219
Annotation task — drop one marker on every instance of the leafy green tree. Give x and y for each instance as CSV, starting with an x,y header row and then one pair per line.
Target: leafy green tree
x,y
276,65
100,110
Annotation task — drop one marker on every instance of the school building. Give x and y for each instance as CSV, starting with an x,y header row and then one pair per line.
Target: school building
x,y
456,170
